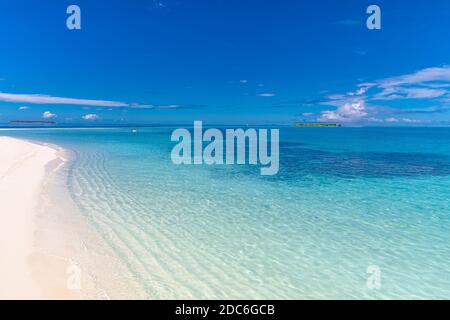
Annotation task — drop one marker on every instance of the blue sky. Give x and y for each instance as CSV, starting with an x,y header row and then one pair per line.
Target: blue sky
x,y
225,61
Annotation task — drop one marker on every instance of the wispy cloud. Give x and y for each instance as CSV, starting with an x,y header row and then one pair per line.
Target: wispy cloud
x,y
422,76
46,99
426,83
158,4
392,120
23,108
394,93
360,52
267,94
429,110
141,106
169,106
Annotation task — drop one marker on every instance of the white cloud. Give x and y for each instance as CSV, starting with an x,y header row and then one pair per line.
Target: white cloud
x,y
45,99
330,116
49,115
90,117
24,108
243,81
267,94
349,111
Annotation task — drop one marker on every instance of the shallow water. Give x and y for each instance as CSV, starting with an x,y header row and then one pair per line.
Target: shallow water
x,y
344,199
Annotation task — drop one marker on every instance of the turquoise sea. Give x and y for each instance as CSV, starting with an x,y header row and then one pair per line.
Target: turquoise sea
x,y
345,199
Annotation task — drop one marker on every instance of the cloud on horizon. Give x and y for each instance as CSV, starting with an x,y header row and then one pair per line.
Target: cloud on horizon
x,y
49,115
90,117
430,86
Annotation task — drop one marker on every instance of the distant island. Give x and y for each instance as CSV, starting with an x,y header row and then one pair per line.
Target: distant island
x,y
317,125
31,122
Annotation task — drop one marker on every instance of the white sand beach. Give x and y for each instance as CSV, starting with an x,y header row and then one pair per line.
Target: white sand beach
x,y
22,173
45,243
35,245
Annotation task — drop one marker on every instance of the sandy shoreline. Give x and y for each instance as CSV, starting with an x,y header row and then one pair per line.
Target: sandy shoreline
x,y
22,173
49,250
36,246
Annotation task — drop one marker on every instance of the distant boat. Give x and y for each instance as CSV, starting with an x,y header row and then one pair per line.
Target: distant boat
x,y
134,131
317,125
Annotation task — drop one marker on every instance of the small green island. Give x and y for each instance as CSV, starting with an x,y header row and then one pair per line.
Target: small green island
x,y
31,122
317,125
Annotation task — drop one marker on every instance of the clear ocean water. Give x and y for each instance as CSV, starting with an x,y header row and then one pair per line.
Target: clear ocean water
x,y
344,199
